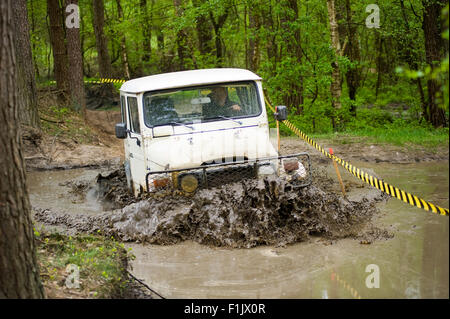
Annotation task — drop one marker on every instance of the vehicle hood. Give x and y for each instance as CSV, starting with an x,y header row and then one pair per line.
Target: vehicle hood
x,y
183,149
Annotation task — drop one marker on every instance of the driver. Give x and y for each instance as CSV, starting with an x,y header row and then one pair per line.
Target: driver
x,y
220,104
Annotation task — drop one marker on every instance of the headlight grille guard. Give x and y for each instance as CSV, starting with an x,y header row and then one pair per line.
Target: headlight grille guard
x,y
221,171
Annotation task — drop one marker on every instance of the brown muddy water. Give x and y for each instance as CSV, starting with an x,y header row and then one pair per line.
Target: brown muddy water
x,y
48,189
412,264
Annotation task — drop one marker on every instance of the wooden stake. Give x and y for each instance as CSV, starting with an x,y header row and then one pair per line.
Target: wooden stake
x,y
338,174
278,137
278,133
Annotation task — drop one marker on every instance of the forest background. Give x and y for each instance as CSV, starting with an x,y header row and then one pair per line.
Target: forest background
x,y
358,68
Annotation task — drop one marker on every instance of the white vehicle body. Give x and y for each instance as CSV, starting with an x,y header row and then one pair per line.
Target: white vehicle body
x,y
177,146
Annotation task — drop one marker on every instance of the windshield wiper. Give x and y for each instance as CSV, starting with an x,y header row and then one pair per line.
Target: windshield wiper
x,y
225,118
178,123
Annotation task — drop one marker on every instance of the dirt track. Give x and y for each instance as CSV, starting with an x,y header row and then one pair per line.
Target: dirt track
x,y
363,152
42,152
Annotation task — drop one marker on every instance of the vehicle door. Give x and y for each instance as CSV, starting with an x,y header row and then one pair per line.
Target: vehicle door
x,y
123,113
135,145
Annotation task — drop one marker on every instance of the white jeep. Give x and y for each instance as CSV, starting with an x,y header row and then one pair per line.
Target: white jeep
x,y
200,128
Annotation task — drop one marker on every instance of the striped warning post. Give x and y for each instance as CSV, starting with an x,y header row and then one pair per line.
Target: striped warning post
x,y
369,179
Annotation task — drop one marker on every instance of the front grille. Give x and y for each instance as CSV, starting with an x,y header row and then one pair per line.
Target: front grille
x,y
215,175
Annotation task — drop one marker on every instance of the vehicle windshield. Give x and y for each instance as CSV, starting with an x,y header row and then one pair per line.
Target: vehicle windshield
x,y
201,104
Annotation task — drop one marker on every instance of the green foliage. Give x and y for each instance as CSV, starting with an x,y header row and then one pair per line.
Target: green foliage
x,y
438,72
403,133
293,52
378,124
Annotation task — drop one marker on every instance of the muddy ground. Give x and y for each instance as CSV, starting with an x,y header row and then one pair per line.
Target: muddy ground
x,y
45,152
354,150
68,141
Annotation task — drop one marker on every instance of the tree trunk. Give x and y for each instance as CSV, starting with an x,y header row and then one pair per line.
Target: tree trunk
x,y
379,43
254,24
25,71
146,31
104,60
294,97
163,58
271,45
353,53
36,68
217,25
335,75
76,84
434,48
160,40
180,41
203,28
19,271
246,37
411,58
85,63
123,45
181,36
57,40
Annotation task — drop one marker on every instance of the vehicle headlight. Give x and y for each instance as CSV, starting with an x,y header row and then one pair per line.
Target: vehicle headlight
x,y
189,183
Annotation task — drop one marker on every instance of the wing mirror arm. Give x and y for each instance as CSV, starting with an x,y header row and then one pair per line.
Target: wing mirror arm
x,y
122,132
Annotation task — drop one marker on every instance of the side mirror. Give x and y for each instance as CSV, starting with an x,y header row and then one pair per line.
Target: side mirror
x,y
281,113
121,130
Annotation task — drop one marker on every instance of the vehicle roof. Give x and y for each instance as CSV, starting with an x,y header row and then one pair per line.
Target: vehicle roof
x,y
187,78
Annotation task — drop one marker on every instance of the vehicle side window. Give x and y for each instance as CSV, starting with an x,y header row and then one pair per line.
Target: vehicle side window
x,y
134,115
122,108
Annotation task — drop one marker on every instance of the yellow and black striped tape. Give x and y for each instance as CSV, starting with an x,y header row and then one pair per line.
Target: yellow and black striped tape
x,y
100,81
369,179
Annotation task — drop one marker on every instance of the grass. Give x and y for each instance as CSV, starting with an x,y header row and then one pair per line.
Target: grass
x,y
402,136
101,262
399,136
373,126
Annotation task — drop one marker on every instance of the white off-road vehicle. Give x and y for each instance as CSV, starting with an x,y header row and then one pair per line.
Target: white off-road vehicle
x,y
201,128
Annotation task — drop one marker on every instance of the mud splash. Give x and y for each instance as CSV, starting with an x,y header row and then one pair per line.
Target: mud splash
x,y
109,189
112,190
245,214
